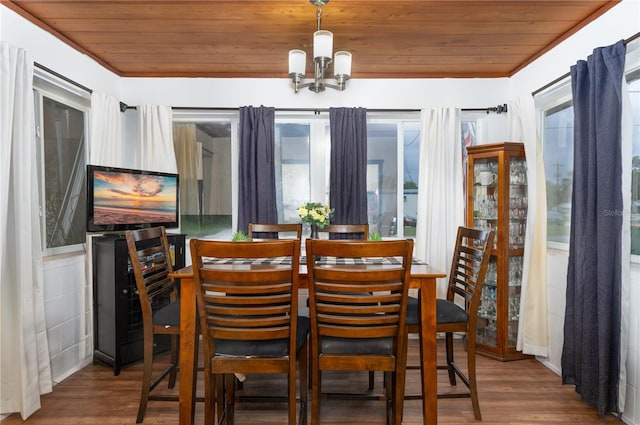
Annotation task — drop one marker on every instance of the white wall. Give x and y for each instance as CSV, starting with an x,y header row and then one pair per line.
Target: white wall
x,y
50,52
372,93
67,333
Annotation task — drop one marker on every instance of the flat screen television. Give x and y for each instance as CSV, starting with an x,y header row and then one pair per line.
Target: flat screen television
x,y
121,199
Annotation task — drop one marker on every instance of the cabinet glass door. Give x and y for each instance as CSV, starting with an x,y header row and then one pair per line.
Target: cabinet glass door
x,y
518,204
485,216
487,313
485,194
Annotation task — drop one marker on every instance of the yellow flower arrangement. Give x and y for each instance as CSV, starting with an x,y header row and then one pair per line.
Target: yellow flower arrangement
x,y
315,213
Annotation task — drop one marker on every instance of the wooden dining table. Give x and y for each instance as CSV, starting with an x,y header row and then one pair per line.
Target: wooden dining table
x,y
423,277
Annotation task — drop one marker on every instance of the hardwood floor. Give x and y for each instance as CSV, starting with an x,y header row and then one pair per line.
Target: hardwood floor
x,y
519,392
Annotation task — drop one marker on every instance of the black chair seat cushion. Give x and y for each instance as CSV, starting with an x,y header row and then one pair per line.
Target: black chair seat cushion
x,y
446,312
267,348
331,345
168,315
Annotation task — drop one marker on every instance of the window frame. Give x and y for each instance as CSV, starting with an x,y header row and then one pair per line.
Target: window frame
x,y
59,90
556,96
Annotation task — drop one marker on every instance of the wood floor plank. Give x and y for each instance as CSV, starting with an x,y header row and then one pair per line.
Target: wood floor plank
x,y
519,392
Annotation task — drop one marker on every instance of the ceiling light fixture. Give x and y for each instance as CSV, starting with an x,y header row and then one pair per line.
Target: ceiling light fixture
x,y
322,50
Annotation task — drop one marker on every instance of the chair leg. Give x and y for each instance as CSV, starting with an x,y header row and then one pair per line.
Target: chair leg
x,y
219,398
175,347
450,361
389,391
471,376
210,398
146,375
372,378
230,397
303,366
315,393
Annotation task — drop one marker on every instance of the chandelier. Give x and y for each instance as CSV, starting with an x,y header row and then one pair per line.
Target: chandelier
x,y
322,50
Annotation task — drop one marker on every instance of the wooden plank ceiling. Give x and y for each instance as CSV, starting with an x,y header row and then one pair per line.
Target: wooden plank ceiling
x,y
251,38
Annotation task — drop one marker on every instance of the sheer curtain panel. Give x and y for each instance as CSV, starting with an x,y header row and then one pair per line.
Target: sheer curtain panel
x,y
440,189
155,139
106,130
189,160
533,328
24,353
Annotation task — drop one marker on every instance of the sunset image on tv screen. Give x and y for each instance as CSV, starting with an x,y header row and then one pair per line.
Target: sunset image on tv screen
x,y
123,198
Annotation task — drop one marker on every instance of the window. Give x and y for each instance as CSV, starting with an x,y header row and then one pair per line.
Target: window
x,y
393,156
61,130
206,146
558,168
302,168
300,145
204,154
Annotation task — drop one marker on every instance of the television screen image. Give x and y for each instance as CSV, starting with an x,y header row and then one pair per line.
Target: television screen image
x,y
122,199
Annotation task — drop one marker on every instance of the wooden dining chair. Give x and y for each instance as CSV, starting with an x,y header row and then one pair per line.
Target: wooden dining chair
x,y
459,311
274,231
151,264
345,231
249,320
358,313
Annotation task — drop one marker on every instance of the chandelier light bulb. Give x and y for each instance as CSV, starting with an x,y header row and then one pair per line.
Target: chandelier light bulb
x,y
322,44
342,64
297,62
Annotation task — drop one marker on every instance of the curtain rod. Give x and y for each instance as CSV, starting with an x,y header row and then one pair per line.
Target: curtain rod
x,y
497,109
62,77
123,106
562,77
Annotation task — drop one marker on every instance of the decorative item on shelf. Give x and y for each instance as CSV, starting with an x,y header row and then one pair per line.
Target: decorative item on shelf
x,y
375,236
318,215
322,50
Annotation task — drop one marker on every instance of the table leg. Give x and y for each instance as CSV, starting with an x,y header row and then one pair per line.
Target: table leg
x,y
428,348
188,352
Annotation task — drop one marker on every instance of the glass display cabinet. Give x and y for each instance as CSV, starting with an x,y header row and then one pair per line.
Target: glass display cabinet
x,y
497,199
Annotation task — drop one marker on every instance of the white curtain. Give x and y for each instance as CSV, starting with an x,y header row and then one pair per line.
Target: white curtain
x,y
25,372
533,327
106,130
440,189
155,139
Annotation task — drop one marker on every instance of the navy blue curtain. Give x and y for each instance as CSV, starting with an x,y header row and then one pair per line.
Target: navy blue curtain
x,y
348,170
257,179
591,351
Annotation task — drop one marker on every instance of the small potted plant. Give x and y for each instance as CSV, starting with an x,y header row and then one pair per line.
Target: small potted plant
x,y
240,236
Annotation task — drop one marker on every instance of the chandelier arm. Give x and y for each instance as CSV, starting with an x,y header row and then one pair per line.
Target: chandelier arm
x,y
319,15
339,87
